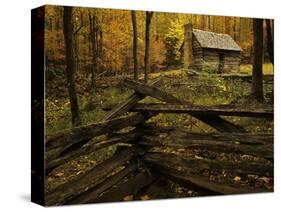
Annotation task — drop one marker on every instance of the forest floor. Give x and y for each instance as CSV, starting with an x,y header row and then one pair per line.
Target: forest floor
x,y
244,69
201,90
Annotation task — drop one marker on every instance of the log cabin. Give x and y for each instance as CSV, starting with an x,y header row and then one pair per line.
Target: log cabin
x,y
209,51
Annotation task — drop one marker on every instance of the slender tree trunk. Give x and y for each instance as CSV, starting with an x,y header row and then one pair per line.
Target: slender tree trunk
x,y
76,39
135,44
100,53
92,20
270,47
100,43
70,65
147,45
269,41
257,87
76,55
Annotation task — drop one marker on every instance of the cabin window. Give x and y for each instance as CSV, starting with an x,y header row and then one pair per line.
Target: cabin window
x,y
221,63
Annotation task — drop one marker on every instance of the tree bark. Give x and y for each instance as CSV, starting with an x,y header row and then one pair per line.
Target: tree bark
x,y
135,44
92,20
269,40
147,45
77,151
70,65
130,187
70,190
198,165
76,39
200,110
257,87
169,167
105,188
69,137
210,142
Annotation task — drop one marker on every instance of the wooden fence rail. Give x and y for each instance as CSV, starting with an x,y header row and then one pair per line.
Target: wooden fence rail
x,y
220,110
102,183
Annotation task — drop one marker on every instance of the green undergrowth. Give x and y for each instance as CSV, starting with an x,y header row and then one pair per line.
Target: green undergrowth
x,y
200,90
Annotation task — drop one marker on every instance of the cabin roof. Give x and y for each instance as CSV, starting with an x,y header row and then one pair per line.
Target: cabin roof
x,y
215,40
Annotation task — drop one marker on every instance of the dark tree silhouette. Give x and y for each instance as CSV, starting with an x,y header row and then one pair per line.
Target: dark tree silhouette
x,y
135,44
70,65
270,40
147,44
257,87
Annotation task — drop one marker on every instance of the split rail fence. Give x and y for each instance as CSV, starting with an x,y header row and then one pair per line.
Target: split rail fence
x,y
141,167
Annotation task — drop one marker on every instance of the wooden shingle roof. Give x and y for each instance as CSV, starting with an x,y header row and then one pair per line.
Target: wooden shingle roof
x,y
215,40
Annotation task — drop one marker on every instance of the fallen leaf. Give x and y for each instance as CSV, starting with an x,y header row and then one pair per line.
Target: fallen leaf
x,y
59,174
237,178
190,192
179,190
128,198
264,179
179,168
247,157
145,197
49,179
198,157
163,135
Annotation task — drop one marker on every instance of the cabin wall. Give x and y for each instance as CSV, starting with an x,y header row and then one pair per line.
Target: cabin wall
x,y
211,60
232,61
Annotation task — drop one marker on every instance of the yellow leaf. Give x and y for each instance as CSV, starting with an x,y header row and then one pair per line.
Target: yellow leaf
x,y
128,198
49,179
59,174
237,178
145,197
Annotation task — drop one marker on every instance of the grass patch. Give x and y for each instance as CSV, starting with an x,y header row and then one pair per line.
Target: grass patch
x,y
267,68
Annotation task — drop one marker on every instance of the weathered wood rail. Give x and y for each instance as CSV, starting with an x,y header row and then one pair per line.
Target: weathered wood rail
x,y
103,183
221,110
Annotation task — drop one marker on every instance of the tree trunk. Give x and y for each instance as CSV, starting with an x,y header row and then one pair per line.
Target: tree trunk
x,y
70,65
135,44
76,39
269,41
76,55
93,29
257,87
100,43
147,44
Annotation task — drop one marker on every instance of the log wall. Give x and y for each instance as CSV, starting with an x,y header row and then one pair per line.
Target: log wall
x,y
197,54
211,60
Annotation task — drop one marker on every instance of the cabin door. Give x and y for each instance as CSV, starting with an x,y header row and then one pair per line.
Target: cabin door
x,y
221,63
